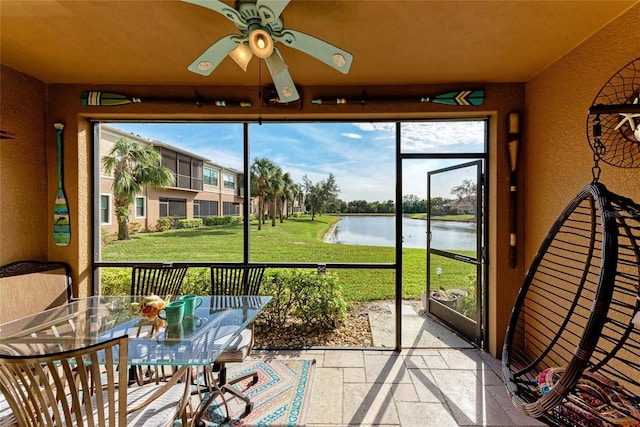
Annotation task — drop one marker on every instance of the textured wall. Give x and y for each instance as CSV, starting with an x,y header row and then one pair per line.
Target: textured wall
x,y
556,146
23,169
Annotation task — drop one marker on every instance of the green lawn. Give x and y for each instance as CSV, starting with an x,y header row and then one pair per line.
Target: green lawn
x,y
295,240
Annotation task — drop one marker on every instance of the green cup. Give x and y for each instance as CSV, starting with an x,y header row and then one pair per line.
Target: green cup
x,y
191,302
173,335
189,325
173,313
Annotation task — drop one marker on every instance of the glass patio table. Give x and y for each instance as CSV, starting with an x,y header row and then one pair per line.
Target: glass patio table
x,y
197,341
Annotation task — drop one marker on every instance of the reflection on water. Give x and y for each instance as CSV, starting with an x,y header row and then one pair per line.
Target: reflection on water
x,y
380,231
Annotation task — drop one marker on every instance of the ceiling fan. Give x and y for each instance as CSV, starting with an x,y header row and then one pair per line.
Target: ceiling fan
x,y
261,25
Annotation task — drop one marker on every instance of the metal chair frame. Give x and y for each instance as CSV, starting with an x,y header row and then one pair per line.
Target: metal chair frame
x,y
162,280
157,280
234,280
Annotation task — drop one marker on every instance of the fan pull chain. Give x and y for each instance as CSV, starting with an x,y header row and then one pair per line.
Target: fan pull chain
x,y
260,91
598,149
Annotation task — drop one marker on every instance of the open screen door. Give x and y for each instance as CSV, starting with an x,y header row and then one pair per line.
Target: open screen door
x,y
454,291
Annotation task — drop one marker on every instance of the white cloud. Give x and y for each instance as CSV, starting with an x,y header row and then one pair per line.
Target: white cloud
x,y
376,126
352,135
434,135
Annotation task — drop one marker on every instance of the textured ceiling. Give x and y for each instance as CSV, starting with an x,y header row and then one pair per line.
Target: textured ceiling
x,y
393,42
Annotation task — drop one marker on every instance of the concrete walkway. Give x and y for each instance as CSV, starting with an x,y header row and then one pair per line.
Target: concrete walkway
x,y
418,331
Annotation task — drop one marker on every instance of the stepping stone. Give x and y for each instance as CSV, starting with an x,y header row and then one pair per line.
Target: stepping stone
x,y
406,309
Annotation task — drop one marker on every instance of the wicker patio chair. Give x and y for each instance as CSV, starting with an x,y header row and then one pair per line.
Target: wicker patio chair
x,y
75,388
573,338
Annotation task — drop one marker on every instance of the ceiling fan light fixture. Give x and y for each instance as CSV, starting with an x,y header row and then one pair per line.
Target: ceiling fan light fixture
x,y
241,55
261,43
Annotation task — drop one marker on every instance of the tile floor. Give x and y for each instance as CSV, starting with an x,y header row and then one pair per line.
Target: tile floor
x,y
439,380
416,387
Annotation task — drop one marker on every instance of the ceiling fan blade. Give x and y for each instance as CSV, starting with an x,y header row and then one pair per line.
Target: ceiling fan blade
x,y
275,63
270,10
331,55
212,57
223,9
285,87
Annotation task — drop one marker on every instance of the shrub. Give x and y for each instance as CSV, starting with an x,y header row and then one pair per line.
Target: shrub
x,y
190,223
163,224
135,227
217,220
115,281
223,220
310,299
314,300
196,281
107,237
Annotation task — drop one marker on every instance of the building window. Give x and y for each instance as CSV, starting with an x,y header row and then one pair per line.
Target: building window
x,y
187,170
230,209
204,208
141,207
210,177
169,161
105,209
173,208
229,181
164,208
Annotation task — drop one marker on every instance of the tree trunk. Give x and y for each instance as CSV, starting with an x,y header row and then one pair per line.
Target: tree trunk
x,y
260,211
272,212
123,230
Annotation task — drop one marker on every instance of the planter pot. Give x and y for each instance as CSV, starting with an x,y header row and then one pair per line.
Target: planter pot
x,y
452,298
460,296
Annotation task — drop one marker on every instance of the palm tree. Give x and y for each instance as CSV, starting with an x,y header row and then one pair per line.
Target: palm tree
x,y
299,197
294,197
261,171
274,189
286,195
134,167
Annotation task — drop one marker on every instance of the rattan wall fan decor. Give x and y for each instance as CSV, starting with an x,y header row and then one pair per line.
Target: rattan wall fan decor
x,y
572,350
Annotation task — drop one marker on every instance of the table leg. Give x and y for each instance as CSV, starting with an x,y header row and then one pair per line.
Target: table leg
x,y
212,388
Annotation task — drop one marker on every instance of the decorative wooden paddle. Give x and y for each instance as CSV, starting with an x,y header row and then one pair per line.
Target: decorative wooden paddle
x,y
463,97
513,133
108,98
7,134
61,226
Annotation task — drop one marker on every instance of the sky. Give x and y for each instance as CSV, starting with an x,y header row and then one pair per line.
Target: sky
x,y
361,155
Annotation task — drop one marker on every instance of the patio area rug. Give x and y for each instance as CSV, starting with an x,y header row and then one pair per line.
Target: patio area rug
x,y
280,398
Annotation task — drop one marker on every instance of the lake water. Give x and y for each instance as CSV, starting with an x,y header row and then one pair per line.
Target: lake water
x,y
380,231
